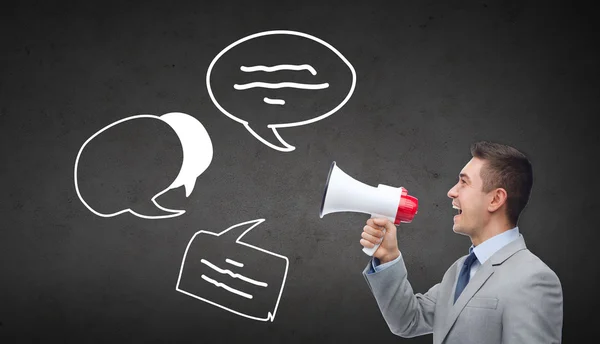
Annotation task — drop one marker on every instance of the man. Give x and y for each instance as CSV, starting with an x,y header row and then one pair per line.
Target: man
x,y
500,292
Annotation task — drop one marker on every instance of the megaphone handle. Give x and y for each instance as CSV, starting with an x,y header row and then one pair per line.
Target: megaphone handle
x,y
371,251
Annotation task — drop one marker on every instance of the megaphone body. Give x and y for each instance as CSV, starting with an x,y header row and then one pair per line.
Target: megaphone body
x,y
345,194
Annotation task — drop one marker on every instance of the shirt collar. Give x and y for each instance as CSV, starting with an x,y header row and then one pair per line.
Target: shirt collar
x,y
487,248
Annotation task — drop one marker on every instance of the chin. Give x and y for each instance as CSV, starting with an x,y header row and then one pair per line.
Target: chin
x,y
458,230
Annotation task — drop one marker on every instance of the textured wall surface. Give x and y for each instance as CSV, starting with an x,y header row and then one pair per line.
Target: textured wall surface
x,y
431,78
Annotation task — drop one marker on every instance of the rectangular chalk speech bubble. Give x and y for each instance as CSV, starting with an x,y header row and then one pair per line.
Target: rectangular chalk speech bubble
x,y
219,269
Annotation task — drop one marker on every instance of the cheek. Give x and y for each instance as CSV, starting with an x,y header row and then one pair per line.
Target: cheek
x,y
474,206
478,207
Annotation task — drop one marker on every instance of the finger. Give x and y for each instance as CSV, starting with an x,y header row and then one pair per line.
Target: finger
x,y
371,238
366,243
384,222
372,223
380,221
373,231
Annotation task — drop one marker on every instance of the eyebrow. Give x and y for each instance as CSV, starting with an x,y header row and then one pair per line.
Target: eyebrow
x,y
464,175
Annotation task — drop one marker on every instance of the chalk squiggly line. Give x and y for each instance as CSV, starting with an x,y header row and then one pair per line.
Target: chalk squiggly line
x,y
234,275
281,85
279,67
274,101
233,262
226,287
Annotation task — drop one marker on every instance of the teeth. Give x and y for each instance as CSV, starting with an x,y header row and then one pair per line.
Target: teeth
x,y
459,210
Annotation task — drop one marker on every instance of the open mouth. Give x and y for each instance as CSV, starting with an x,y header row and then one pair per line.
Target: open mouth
x,y
457,209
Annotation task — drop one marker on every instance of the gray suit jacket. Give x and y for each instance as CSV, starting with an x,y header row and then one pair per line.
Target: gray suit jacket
x,y
513,298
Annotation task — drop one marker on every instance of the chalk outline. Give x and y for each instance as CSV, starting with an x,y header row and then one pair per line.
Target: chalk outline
x,y
274,127
270,316
153,199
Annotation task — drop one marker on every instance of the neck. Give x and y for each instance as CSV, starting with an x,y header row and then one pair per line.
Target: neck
x,y
491,229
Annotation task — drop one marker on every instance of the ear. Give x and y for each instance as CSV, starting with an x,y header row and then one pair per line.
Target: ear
x,y
498,199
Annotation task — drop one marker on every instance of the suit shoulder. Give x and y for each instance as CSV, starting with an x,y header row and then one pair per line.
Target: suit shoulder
x,y
531,266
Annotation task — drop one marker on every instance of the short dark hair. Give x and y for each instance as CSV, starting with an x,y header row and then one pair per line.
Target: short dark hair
x,y
505,167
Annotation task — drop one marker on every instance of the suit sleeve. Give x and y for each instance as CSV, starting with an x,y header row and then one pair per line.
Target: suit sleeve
x,y
406,314
535,314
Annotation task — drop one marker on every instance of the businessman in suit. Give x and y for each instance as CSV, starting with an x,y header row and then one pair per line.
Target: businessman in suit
x,y
500,292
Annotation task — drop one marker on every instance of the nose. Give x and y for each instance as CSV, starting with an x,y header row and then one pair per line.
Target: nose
x,y
452,192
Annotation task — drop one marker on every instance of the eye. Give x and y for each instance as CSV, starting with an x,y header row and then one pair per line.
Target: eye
x,y
462,181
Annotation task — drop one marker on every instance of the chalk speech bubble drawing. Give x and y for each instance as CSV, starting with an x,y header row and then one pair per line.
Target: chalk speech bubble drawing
x,y
197,156
328,81
223,271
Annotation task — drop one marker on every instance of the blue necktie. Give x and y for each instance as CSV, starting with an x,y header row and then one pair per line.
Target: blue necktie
x,y
463,278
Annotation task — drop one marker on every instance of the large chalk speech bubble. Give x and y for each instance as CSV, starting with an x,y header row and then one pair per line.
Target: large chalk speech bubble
x,y
220,269
197,156
255,55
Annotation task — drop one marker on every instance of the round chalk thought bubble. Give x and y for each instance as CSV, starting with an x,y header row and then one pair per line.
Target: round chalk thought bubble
x,y
197,155
279,79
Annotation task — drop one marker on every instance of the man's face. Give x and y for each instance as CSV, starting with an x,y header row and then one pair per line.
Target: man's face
x,y
467,195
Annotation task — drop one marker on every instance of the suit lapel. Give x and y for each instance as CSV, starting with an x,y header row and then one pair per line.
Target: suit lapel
x,y
454,310
482,275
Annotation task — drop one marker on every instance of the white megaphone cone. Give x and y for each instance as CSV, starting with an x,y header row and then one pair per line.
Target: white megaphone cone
x,y
345,194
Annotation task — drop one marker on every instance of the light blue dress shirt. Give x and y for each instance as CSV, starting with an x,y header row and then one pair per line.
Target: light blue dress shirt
x,y
483,251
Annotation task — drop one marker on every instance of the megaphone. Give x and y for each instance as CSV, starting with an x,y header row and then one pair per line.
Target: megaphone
x,y
345,194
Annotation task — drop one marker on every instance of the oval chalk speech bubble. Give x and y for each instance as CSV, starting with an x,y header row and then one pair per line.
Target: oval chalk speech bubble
x,y
197,156
309,76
